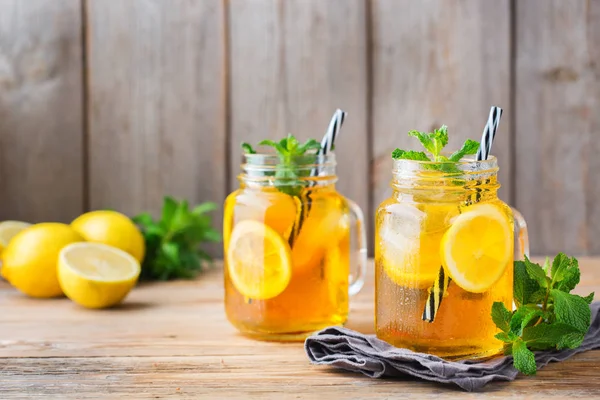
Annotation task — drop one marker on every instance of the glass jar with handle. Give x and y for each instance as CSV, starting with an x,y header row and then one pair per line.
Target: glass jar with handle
x,y
295,249
444,251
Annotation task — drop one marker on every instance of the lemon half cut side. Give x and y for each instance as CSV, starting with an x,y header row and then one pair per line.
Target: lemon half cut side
x,y
95,275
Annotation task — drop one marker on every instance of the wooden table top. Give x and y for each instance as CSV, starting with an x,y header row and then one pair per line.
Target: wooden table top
x,y
172,340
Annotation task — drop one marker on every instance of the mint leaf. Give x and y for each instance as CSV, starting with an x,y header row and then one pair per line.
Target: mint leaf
x,y
547,336
168,211
565,273
524,360
501,316
468,147
248,148
547,265
172,243
526,289
506,337
204,208
572,310
425,139
523,316
571,340
589,298
536,273
409,155
440,139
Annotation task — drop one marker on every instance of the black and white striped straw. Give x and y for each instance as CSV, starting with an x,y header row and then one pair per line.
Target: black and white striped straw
x,y
331,134
489,133
440,286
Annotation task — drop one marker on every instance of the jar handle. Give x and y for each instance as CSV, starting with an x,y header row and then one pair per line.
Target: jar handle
x,y
521,236
358,248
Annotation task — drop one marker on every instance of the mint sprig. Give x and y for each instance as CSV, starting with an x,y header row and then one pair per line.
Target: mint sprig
x,y
548,316
173,241
292,154
434,142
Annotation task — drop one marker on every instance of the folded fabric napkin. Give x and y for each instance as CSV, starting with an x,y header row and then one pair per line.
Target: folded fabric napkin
x,y
353,351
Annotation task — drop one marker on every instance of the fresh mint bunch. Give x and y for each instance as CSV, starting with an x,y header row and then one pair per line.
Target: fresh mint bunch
x,y
291,154
548,315
434,142
173,242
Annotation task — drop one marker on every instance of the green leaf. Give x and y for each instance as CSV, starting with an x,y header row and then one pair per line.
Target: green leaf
x,y
523,316
468,147
171,252
501,316
526,289
506,337
547,265
565,273
572,310
204,208
248,148
441,136
168,211
409,155
144,219
425,139
524,360
281,150
547,336
310,144
536,273
589,298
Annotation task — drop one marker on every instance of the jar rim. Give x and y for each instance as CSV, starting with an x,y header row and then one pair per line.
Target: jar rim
x,y
306,160
467,165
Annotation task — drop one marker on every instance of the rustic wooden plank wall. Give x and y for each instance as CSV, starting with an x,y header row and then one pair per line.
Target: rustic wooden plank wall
x,y
41,141
558,123
115,104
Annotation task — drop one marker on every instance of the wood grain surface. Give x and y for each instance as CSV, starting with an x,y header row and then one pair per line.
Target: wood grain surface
x,y
172,340
157,117
438,62
41,116
292,63
558,123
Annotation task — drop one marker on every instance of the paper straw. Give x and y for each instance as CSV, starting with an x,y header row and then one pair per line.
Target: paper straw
x,y
330,135
440,286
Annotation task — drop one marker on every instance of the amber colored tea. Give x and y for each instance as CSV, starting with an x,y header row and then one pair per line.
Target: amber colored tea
x,y
287,261
443,229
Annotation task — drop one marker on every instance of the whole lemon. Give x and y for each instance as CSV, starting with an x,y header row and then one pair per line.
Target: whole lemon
x,y
111,228
31,257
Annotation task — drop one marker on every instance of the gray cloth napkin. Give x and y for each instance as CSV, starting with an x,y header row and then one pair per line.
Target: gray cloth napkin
x,y
353,351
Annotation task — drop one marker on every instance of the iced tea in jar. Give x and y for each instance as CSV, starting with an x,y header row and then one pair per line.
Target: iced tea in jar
x,y
444,251
294,247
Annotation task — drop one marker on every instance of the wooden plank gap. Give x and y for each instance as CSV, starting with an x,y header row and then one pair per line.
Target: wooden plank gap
x,y
85,120
512,108
369,125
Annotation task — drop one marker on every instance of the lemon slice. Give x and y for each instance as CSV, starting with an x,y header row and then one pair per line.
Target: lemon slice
x,y
8,229
477,248
96,275
258,260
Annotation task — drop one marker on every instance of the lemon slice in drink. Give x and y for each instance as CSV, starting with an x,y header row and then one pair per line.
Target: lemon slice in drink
x,y
96,275
8,229
477,248
259,261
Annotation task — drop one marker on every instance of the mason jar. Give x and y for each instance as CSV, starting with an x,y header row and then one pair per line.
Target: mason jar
x,y
444,252
295,249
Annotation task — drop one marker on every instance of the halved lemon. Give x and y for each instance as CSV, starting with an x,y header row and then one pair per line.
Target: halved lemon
x,y
8,229
477,248
96,275
259,261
